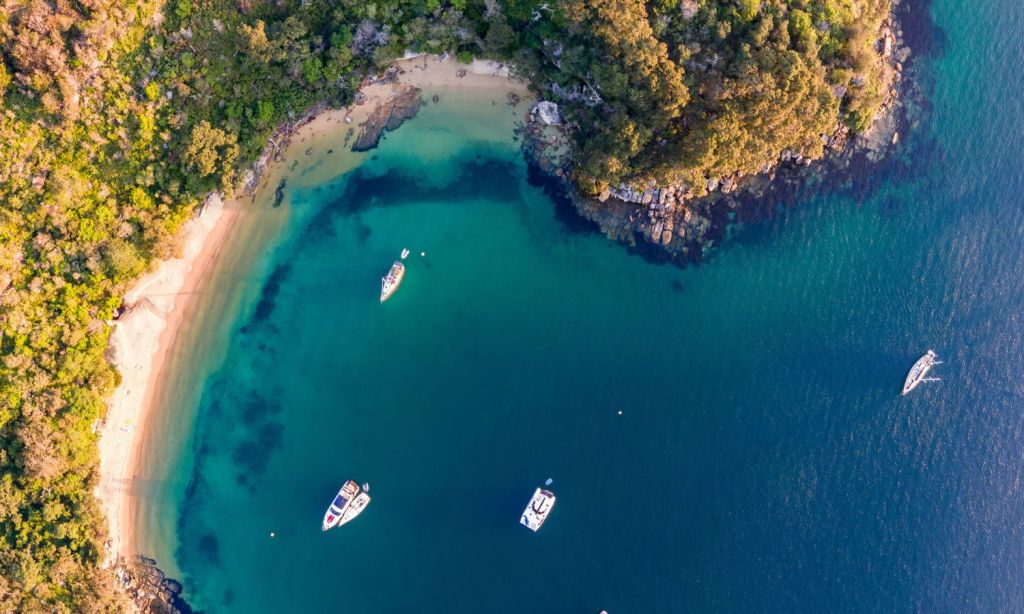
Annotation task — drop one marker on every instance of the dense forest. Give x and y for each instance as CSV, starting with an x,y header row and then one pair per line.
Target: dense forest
x,y
118,116
682,91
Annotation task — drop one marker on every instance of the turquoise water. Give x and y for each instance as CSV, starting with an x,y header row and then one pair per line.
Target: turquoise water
x,y
763,458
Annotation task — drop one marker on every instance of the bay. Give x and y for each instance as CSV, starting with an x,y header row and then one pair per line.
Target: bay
x,y
763,458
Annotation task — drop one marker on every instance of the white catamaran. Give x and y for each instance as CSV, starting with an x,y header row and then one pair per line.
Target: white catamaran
x,y
350,501
537,509
918,373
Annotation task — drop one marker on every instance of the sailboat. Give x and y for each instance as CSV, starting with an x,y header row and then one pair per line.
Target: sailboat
x,y
390,282
919,372
350,501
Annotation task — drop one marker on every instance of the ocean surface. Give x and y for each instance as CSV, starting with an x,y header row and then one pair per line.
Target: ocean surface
x,y
722,437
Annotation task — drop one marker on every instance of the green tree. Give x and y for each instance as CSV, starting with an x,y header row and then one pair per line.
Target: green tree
x,y
211,151
500,35
5,79
312,70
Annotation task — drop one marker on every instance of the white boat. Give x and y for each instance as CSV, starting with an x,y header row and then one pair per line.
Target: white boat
x,y
390,282
348,503
405,254
920,370
537,509
355,508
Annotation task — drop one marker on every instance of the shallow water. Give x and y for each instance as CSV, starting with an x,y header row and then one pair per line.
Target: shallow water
x,y
763,458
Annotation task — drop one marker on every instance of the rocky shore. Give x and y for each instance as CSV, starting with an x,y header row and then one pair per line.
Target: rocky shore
x,y
404,104
149,589
675,223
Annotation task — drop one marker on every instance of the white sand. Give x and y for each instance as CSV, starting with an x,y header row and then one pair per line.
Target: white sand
x,y
142,339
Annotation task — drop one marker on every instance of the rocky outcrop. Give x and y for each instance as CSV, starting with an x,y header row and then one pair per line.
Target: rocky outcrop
x,y
276,145
665,217
547,112
682,222
148,588
403,105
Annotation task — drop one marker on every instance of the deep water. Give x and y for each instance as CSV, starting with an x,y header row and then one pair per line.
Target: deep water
x,y
725,437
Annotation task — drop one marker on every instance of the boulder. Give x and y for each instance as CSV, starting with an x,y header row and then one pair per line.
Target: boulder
x,y
548,113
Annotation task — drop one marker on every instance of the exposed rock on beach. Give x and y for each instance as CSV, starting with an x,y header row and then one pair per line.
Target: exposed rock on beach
x,y
389,115
149,589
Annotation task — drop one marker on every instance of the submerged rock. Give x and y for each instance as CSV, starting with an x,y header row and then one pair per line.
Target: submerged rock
x,y
279,192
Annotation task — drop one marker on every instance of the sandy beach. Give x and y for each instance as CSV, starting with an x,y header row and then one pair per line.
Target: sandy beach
x,y
159,305
140,342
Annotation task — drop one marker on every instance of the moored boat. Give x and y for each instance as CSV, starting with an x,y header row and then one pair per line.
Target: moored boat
x,y
918,373
390,282
537,509
355,508
350,501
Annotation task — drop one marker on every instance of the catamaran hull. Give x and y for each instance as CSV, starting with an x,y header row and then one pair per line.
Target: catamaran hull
x,y
538,509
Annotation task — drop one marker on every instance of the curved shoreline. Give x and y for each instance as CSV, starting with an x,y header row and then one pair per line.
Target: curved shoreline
x,y
145,340
140,344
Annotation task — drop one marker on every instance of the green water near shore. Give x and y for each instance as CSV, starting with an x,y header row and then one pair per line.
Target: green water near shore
x,y
763,458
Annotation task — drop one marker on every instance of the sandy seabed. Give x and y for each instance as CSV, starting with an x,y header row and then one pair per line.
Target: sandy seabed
x,y
143,338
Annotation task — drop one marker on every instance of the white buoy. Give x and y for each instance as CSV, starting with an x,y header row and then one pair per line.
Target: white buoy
x,y
272,534
423,254
620,412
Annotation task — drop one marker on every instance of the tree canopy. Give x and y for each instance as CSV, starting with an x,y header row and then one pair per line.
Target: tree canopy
x,y
688,90
118,116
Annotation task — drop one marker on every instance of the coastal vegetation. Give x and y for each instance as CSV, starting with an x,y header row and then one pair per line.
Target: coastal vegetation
x,y
117,117
683,91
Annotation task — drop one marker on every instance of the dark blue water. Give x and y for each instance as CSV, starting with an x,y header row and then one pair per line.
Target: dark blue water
x,y
763,458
